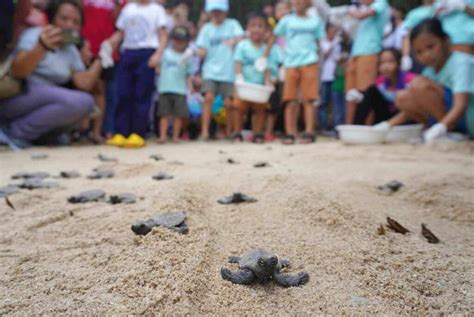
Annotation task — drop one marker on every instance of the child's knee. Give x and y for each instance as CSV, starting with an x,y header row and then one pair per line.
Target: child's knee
x,y
208,98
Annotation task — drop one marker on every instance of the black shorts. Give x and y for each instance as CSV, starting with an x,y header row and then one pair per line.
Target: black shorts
x,y
276,100
172,105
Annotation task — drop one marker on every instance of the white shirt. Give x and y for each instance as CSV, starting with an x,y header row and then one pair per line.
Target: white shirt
x,y
141,24
330,62
395,38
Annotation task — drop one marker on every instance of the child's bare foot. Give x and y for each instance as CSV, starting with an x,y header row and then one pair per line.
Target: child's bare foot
x,y
161,141
176,140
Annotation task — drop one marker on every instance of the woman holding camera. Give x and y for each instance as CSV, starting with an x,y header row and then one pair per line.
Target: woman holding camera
x,y
49,61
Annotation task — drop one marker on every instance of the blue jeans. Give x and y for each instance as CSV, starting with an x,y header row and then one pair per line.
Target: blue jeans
x,y
135,87
111,106
338,108
324,104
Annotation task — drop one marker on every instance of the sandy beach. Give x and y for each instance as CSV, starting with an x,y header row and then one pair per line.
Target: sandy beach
x,y
318,206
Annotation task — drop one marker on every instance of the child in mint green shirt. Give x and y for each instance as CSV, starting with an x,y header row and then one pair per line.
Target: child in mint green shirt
x,y
362,69
301,33
413,18
215,43
457,23
173,84
443,98
247,53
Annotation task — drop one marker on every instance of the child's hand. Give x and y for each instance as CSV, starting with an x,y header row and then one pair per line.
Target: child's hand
x,y
269,82
154,61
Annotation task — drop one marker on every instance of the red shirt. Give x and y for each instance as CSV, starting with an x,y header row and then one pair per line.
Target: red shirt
x,y
99,21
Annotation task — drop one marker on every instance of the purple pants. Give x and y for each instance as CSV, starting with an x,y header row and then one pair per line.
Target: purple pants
x,y
135,87
42,109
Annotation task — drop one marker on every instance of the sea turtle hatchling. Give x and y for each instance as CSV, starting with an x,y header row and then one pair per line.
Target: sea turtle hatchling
x,y
105,158
260,265
125,198
8,190
161,176
36,183
101,174
171,220
236,198
87,196
69,174
391,187
26,175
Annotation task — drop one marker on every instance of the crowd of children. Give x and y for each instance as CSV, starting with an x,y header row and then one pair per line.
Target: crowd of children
x,y
316,68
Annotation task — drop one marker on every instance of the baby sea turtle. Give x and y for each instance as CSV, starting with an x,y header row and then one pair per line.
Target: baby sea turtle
x,y
39,156
156,157
87,196
69,174
8,190
236,198
105,158
232,161
260,265
125,198
26,175
170,220
261,164
100,174
162,176
36,183
391,187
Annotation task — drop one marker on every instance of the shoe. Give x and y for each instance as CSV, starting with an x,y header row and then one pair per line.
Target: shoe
x,y
15,144
269,137
117,140
134,141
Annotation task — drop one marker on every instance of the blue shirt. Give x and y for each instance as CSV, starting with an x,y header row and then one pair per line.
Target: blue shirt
x,y
457,74
173,76
56,68
219,61
301,34
369,36
246,54
459,26
417,15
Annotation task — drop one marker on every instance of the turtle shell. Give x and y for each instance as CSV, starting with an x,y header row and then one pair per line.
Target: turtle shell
x,y
170,219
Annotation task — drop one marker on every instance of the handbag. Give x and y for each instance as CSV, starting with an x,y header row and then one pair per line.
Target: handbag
x,y
9,86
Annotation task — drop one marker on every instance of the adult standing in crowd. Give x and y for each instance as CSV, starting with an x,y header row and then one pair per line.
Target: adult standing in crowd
x,y
48,60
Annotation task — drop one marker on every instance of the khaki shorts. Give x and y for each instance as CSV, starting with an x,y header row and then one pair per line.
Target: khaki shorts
x,y
361,72
244,106
226,90
302,82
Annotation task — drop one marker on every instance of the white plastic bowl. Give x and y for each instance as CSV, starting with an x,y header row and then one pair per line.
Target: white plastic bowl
x,y
404,133
360,134
254,93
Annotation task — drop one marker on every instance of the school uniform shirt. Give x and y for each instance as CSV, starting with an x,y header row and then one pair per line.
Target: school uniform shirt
x,y
246,54
369,36
173,76
219,62
457,75
330,62
415,16
99,21
459,25
141,24
56,68
301,34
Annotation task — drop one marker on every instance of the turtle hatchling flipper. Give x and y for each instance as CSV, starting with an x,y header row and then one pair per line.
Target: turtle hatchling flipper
x,y
238,277
181,229
234,259
287,280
